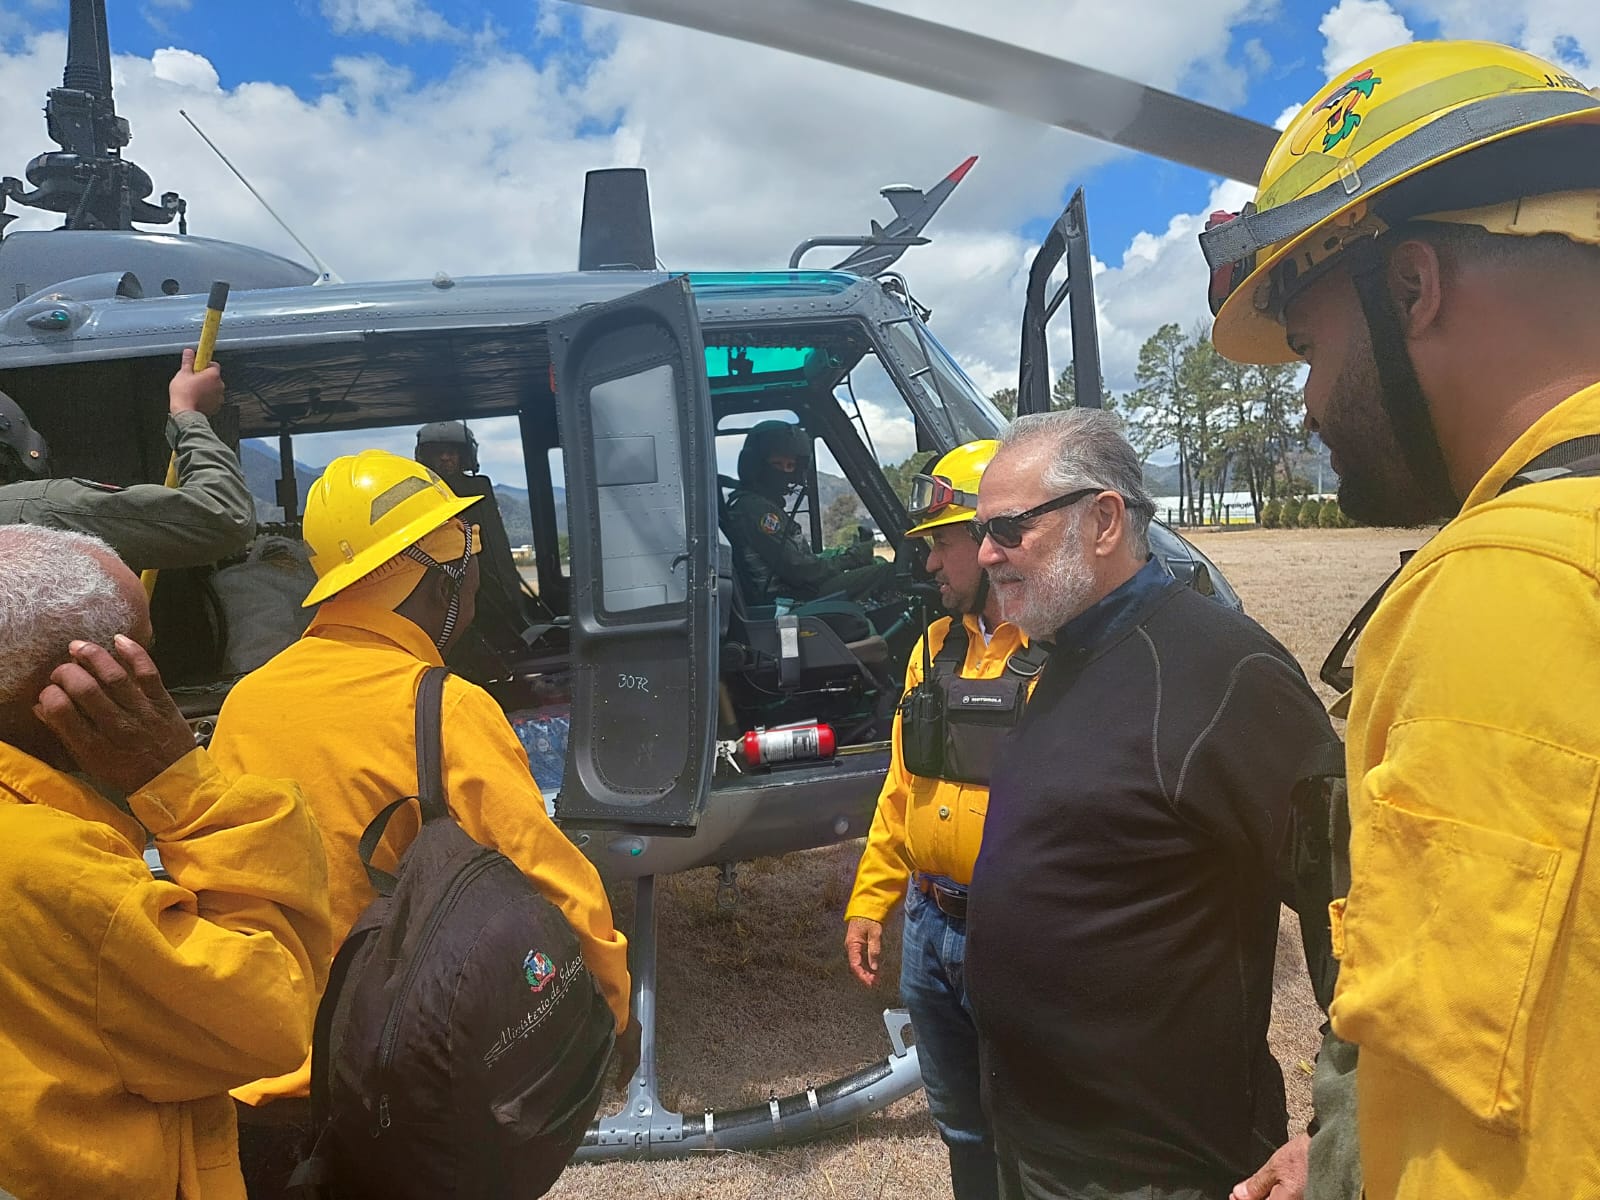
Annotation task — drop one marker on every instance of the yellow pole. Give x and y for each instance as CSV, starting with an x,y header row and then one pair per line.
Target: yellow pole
x,y
215,303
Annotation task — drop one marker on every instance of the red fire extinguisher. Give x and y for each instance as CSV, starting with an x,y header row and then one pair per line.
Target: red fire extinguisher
x,y
788,743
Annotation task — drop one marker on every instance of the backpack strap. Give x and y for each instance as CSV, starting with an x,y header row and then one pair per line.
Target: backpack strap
x,y
1579,456
430,764
1336,671
430,779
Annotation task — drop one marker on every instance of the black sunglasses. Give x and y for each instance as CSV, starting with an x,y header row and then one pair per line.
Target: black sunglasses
x,y
1007,531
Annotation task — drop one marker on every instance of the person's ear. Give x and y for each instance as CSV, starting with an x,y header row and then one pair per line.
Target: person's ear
x,y
1415,278
1110,515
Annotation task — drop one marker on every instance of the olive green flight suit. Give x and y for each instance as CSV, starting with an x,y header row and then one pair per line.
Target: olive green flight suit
x,y
777,560
209,516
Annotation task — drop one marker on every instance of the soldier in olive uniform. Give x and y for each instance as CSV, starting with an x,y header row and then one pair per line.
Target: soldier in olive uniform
x,y
209,516
775,559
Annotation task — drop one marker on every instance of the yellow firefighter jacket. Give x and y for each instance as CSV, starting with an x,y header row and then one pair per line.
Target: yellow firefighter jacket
x,y
336,712
130,1005
1470,943
930,825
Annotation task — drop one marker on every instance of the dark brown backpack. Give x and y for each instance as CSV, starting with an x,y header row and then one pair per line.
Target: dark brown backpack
x,y
461,1045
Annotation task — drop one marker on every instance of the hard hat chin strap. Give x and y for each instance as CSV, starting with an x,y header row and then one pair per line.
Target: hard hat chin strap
x,y
981,599
1397,380
456,573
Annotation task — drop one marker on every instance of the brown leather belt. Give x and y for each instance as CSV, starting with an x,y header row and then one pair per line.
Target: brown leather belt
x,y
951,903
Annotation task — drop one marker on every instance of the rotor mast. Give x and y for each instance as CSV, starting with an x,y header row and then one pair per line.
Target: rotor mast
x,y
87,180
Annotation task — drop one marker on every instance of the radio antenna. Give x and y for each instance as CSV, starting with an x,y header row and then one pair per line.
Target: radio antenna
x,y
328,274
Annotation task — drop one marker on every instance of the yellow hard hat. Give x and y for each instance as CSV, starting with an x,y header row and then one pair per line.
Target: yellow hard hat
x,y
949,494
365,509
1370,150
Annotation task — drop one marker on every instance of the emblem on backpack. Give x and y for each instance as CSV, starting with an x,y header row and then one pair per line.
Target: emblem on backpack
x,y
538,970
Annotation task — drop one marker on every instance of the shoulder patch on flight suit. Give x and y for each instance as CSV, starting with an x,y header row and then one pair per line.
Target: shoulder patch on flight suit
x,y
771,523
98,486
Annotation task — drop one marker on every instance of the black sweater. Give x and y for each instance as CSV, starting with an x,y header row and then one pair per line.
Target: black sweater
x,y
1124,908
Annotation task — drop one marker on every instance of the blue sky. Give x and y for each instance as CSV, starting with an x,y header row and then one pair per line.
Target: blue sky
x,y
293,42
1274,57
405,137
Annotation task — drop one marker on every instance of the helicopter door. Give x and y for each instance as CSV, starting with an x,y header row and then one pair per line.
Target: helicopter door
x,y
638,448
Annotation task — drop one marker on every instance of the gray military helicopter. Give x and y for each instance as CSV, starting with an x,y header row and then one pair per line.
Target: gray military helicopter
x,y
643,667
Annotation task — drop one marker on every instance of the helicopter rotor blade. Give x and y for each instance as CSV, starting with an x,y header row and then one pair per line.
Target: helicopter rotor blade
x,y
998,74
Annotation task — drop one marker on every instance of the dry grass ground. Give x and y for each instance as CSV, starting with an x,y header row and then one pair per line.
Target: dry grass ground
x,y
757,999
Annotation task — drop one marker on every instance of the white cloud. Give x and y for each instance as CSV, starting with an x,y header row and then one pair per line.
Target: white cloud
x,y
1357,29
1257,56
184,68
402,20
1565,31
1162,279
749,151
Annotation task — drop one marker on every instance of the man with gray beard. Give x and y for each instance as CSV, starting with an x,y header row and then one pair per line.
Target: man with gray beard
x,y
1124,907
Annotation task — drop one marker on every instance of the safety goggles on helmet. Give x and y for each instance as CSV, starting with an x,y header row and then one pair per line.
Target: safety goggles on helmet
x,y
1331,187
1291,274
1007,531
932,494
1227,276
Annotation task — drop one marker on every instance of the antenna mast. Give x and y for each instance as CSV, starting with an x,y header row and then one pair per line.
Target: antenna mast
x,y
328,275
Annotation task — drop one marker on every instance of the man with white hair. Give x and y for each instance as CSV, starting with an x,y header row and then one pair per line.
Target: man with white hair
x,y
1123,914
132,1005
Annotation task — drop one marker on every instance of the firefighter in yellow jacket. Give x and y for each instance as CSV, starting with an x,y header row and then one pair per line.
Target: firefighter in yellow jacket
x,y
930,815
1426,237
129,1005
397,576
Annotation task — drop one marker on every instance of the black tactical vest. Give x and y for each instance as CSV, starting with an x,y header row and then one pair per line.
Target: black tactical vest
x,y
950,726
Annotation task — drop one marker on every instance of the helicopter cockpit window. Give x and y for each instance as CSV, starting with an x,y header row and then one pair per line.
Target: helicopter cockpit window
x,y
727,365
952,399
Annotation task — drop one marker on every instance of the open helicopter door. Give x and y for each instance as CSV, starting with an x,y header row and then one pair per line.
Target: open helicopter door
x,y
638,446
1068,237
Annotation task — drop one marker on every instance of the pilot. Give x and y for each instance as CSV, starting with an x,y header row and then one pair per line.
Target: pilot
x,y
775,558
209,516
928,827
449,449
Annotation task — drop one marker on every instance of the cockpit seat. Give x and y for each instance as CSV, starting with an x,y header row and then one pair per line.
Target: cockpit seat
x,y
819,643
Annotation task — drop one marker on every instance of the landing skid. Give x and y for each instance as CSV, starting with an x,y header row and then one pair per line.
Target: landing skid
x,y
646,1129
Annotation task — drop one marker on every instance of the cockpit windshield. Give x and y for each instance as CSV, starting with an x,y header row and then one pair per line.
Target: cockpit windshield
x,y
950,400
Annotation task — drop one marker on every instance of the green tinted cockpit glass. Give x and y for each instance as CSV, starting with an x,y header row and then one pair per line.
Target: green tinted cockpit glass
x,y
776,284
723,361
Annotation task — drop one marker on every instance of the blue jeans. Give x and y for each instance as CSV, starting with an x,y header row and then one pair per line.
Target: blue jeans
x,y
934,990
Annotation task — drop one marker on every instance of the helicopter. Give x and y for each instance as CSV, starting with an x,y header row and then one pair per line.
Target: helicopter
x,y
640,657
